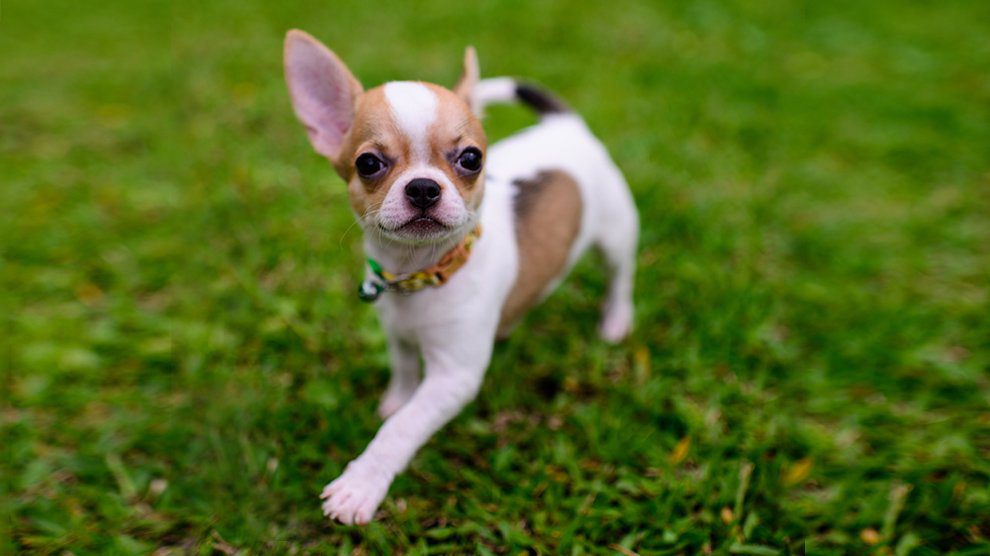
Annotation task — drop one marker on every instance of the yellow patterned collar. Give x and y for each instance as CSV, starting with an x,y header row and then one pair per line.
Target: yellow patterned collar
x,y
435,275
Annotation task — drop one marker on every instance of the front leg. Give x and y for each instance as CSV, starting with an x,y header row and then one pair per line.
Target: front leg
x,y
404,362
355,495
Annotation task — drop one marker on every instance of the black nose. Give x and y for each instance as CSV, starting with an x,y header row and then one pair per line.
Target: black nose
x,y
423,193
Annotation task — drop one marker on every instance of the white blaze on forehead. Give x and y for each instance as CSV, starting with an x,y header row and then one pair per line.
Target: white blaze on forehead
x,y
414,108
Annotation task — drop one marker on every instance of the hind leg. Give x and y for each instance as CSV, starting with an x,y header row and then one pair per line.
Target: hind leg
x,y
617,242
617,311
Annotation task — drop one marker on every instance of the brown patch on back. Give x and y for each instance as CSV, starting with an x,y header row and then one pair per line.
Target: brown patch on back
x,y
548,218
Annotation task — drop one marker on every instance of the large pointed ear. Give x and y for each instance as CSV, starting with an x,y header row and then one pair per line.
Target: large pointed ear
x,y
323,91
469,78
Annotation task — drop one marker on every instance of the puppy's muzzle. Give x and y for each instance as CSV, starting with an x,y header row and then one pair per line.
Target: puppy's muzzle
x,y
423,193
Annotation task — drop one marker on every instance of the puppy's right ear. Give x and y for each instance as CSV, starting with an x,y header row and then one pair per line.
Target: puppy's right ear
x,y
323,91
469,78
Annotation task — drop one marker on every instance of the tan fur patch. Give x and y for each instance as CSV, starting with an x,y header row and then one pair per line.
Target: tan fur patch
x,y
373,128
455,128
548,219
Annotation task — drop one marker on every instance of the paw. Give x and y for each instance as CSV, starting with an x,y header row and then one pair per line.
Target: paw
x,y
393,399
354,496
616,322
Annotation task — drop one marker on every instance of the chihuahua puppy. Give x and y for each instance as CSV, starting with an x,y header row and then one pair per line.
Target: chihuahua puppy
x,y
461,239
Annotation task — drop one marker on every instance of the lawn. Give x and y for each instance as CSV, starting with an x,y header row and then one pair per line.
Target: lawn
x,y
184,362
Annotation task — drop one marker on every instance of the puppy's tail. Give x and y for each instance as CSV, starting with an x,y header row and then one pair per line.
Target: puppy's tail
x,y
506,89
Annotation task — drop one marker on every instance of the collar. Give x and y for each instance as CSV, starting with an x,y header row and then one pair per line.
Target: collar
x,y
434,276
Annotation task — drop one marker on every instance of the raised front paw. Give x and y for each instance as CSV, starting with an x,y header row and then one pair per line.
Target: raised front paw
x,y
354,496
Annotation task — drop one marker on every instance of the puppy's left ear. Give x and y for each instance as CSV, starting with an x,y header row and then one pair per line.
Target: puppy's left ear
x,y
324,92
469,78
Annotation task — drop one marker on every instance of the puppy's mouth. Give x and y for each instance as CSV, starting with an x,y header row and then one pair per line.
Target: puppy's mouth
x,y
420,227
424,225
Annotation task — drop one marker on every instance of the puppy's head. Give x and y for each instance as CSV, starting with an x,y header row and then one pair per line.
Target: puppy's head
x,y
412,153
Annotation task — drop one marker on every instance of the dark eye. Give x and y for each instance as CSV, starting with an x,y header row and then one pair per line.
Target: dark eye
x,y
369,165
470,160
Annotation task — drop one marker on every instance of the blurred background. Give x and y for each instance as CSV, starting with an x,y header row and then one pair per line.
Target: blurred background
x,y
185,364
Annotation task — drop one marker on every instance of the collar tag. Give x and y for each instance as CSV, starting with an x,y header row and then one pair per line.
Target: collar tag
x,y
370,290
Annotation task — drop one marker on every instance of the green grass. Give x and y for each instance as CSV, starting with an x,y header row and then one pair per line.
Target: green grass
x,y
185,364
